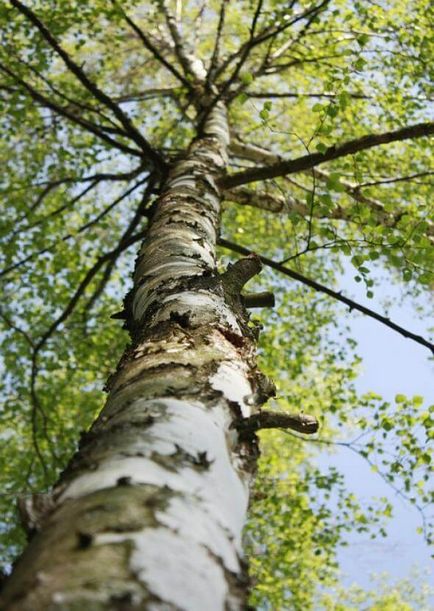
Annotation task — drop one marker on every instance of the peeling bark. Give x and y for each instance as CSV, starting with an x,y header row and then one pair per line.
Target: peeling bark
x,y
149,512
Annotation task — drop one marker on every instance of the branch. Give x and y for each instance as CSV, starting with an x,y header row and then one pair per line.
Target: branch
x,y
353,305
68,236
9,322
149,94
277,203
48,186
240,272
127,238
258,300
95,179
243,55
152,48
306,162
72,103
331,96
351,445
388,219
258,199
266,34
216,50
245,52
101,286
77,71
191,66
302,423
387,181
65,112
310,13
55,212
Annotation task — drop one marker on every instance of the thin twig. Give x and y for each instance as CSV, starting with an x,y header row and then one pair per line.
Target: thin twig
x,y
80,230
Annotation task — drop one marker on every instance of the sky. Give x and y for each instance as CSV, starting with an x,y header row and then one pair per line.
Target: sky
x,y
391,364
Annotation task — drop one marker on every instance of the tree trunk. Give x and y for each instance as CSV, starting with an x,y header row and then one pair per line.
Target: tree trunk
x,y
150,511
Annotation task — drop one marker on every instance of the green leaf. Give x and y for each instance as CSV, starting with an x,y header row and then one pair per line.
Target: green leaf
x,y
360,63
246,78
363,39
318,107
321,147
333,182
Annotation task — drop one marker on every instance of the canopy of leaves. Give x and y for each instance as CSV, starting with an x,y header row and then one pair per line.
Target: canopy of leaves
x,y
97,99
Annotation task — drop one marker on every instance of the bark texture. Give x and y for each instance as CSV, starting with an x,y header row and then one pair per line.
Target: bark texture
x,y
149,513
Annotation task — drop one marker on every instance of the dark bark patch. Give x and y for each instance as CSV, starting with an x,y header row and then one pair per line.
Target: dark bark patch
x,y
123,601
235,408
249,452
124,481
180,457
201,460
239,583
183,320
128,601
234,338
84,540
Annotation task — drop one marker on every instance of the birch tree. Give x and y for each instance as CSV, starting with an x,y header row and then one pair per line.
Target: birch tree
x,y
214,140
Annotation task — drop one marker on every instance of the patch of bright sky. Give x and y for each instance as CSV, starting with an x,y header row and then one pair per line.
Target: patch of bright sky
x,y
391,364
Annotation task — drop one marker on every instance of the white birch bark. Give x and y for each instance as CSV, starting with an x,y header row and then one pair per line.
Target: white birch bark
x,y
150,511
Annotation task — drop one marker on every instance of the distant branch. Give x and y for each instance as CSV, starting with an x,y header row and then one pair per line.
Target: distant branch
x,y
268,33
125,241
152,48
68,236
149,94
294,94
53,213
94,179
387,181
188,63
89,126
102,97
12,325
354,447
278,203
216,50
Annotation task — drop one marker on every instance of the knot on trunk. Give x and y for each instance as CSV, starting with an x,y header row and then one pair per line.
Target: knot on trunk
x,y
239,273
33,509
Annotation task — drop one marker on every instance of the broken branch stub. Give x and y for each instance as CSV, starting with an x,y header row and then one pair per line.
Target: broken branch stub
x,y
302,423
240,272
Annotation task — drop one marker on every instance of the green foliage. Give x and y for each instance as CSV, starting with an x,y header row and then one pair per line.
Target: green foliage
x,y
405,595
355,68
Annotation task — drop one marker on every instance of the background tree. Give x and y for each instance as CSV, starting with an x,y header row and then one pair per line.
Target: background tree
x,y
324,162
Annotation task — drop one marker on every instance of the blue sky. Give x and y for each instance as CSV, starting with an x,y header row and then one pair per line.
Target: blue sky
x,y
391,364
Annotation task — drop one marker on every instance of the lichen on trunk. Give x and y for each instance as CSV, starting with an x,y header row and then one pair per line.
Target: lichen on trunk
x,y
150,511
